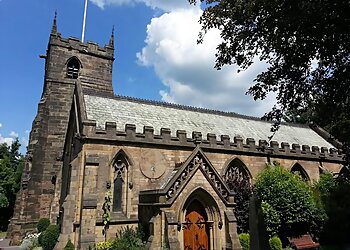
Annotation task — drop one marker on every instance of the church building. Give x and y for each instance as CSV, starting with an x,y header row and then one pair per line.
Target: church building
x,y
162,166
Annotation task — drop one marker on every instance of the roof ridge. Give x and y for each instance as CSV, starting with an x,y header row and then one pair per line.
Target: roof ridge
x,y
186,107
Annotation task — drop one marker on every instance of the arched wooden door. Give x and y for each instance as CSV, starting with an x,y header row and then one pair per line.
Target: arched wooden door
x,y
196,231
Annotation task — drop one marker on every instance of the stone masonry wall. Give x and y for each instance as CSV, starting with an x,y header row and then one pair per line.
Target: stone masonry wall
x,y
40,186
98,171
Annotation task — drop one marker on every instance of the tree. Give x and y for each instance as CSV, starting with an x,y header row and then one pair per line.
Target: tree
x,y
287,200
306,44
334,194
11,166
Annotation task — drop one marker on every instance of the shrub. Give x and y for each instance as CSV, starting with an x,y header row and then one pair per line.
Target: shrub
x,y
50,237
271,218
290,197
244,239
275,243
30,241
40,239
106,245
43,223
69,245
128,238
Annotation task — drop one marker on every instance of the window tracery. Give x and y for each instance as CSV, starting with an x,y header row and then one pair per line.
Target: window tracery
x,y
299,170
120,167
236,176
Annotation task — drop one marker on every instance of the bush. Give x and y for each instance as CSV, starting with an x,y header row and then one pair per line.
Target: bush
x,y
40,239
271,218
275,243
50,237
43,223
128,238
244,239
30,241
290,197
69,245
106,245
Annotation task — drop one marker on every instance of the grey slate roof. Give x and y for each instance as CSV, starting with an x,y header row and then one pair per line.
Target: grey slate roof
x,y
142,113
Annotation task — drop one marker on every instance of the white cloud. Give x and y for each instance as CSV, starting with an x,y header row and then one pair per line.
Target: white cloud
x,y
166,5
14,134
7,140
187,68
0,125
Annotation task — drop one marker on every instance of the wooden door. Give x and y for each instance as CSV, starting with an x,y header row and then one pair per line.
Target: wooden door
x,y
196,233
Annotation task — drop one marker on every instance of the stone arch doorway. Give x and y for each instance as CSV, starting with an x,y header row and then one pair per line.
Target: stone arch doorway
x,y
196,227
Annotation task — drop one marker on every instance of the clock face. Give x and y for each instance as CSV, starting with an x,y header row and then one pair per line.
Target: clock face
x,y
153,163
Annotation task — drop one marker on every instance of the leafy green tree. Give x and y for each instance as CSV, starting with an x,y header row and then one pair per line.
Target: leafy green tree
x,y
271,218
289,198
11,166
334,194
307,46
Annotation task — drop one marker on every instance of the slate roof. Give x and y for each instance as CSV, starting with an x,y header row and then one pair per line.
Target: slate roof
x,y
125,110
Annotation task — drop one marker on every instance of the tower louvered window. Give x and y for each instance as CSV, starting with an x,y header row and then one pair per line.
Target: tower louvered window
x,y
73,67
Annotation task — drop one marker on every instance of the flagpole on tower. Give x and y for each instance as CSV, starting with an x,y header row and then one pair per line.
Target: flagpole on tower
x,y
84,21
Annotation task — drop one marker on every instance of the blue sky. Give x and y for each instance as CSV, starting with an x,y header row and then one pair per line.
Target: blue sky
x,y
156,56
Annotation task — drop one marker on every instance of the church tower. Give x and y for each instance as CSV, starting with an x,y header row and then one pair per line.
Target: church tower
x,y
68,63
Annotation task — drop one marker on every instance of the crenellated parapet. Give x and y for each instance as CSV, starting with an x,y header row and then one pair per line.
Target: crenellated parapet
x,y
181,138
90,48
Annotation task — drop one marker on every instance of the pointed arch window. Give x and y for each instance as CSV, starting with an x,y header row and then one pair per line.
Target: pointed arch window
x,y
73,67
120,167
344,173
299,170
236,176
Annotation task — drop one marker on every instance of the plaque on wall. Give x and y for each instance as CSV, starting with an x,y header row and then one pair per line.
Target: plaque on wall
x,y
153,164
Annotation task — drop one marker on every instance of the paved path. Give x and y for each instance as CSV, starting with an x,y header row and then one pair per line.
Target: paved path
x,y
5,245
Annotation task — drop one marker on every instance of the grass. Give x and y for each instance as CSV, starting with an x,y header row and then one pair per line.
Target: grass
x,y
2,234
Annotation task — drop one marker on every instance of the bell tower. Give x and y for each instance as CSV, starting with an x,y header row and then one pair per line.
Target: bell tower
x,y
68,62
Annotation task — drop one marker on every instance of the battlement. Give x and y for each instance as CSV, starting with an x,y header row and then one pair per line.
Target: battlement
x,y
73,43
212,141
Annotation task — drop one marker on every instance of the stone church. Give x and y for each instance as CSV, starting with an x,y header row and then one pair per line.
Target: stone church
x,y
164,166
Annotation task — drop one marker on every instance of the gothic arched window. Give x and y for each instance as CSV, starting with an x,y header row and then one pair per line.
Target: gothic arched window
x,y
120,167
236,176
299,170
73,67
237,179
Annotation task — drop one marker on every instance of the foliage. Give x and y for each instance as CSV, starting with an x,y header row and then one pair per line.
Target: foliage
x,y
105,245
11,166
337,228
40,239
271,218
243,193
106,207
238,181
50,237
289,196
30,242
275,243
43,223
326,184
128,238
244,239
69,245
307,46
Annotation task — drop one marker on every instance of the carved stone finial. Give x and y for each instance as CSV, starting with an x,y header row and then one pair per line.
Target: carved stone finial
x,y
111,40
54,24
